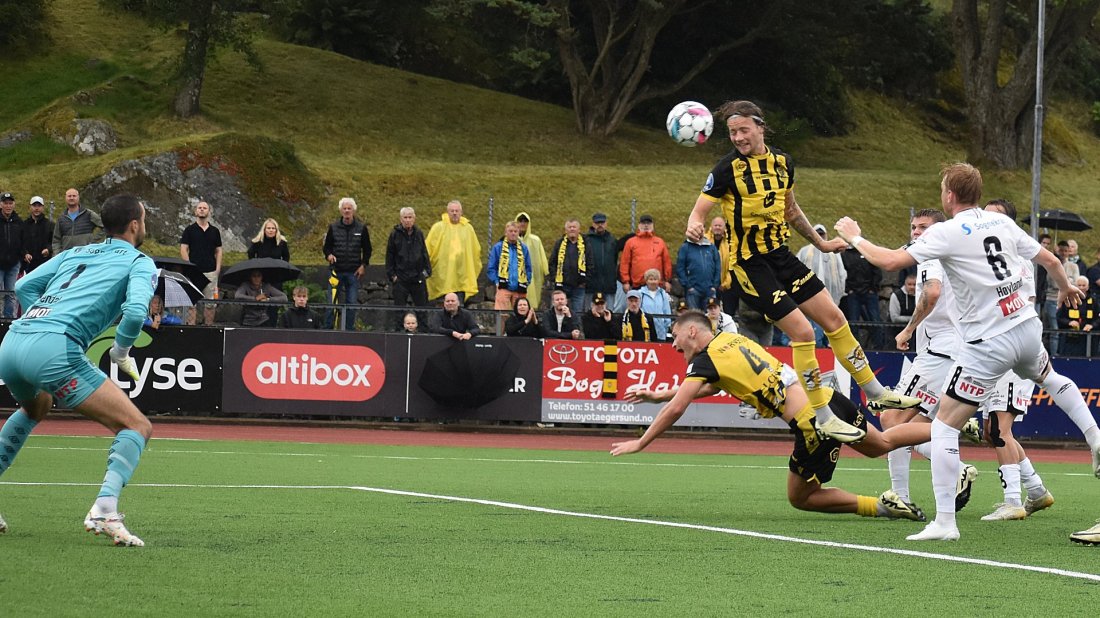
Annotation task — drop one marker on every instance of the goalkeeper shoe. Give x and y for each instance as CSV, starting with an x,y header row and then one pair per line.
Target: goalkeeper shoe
x,y
1006,512
972,431
967,474
111,525
840,431
1087,537
890,400
896,508
1044,501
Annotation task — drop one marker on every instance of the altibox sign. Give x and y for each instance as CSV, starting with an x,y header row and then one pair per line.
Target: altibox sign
x,y
313,372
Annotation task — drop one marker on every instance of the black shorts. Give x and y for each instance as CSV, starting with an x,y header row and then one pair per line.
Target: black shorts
x,y
814,458
775,283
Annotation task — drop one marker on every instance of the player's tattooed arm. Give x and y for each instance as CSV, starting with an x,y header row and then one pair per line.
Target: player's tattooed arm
x,y
930,294
797,220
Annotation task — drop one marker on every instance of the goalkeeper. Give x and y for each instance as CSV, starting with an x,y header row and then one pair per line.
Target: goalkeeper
x,y
69,301
737,365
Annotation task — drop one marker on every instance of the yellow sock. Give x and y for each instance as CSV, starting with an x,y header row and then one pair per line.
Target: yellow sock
x,y
850,354
804,359
866,506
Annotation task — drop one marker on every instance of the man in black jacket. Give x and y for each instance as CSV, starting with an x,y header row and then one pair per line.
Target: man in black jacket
x,y
347,249
407,264
300,315
454,321
11,251
558,322
598,322
37,235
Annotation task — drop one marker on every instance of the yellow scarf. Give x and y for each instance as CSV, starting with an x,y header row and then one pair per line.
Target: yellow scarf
x,y
628,330
505,257
561,257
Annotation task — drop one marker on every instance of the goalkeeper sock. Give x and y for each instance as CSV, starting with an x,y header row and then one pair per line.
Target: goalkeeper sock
x,y
15,432
122,460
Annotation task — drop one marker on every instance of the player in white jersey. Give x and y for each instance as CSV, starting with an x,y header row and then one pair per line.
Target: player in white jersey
x,y
982,253
1007,404
936,339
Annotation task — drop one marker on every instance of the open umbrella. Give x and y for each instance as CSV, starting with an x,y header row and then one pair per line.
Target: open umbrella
x,y
176,289
1058,219
469,374
275,271
187,269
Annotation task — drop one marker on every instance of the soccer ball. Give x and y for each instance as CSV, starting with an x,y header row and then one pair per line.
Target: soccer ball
x,y
689,123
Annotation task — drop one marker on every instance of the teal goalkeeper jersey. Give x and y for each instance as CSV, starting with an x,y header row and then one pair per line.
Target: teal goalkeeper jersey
x,y
82,291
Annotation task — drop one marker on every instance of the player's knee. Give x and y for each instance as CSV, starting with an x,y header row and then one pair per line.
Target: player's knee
x,y
799,501
141,425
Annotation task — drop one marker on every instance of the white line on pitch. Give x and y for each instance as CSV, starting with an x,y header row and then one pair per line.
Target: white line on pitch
x,y
631,520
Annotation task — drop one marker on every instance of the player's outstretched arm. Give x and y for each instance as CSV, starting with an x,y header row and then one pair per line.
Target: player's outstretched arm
x,y
697,226
667,417
886,259
797,221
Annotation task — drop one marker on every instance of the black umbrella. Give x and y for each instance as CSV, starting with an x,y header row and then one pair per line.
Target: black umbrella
x,y
469,374
275,271
188,269
176,289
1058,219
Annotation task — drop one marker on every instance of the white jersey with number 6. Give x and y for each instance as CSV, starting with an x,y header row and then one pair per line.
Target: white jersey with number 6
x,y
983,254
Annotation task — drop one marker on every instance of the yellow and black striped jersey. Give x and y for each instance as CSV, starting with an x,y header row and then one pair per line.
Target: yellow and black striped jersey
x,y
752,191
739,366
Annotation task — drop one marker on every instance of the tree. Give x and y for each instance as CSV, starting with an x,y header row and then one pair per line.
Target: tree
x,y
211,25
605,47
996,49
24,24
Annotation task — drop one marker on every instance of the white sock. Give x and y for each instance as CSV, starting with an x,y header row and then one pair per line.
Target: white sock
x,y
1031,480
899,459
105,505
1068,397
945,469
1010,480
924,449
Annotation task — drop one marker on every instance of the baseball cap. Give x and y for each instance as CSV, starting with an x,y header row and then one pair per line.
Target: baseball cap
x,y
598,299
712,302
599,218
820,229
634,294
4,197
645,219
681,306
38,200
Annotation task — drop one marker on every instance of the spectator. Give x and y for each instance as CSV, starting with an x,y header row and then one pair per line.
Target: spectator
x,y
681,307
1065,252
558,322
720,322
719,235
903,301
157,317
11,251
862,285
407,264
347,248
454,320
259,291
455,254
1093,273
752,324
1071,255
618,304
270,243
509,268
524,321
603,270
1041,285
201,244
637,324
77,226
1050,306
569,265
656,301
1082,318
37,236
641,253
829,267
598,322
300,315
699,268
410,325
540,267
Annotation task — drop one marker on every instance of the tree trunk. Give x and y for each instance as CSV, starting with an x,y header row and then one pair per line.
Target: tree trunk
x,y
1001,111
193,63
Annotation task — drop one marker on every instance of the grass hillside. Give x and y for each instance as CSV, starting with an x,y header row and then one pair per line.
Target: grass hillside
x,y
394,139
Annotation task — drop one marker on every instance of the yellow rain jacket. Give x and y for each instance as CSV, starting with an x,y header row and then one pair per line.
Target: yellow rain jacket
x,y
540,267
455,255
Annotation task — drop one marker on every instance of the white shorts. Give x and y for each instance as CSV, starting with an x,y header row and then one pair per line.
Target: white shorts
x,y
924,380
981,364
1012,394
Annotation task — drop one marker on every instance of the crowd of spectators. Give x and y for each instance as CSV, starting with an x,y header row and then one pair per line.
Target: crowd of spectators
x,y
600,286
